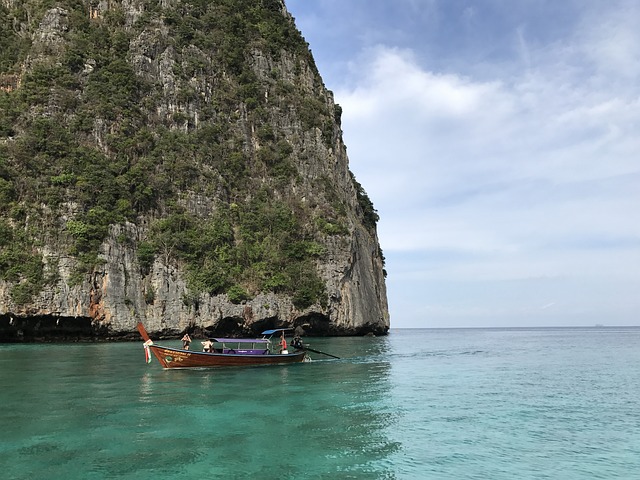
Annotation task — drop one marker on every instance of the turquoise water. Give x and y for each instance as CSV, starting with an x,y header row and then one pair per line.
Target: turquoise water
x,y
441,404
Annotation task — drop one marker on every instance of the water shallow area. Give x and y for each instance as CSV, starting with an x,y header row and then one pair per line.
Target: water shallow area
x,y
519,403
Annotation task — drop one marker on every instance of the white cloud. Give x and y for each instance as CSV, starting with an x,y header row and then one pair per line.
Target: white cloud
x,y
393,83
611,39
529,177
500,148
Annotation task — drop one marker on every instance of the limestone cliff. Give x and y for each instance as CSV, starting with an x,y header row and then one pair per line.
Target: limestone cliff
x,y
178,163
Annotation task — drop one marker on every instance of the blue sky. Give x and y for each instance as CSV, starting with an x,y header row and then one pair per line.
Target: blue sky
x,y
500,143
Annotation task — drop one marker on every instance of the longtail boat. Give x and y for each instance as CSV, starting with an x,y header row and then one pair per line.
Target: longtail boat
x,y
226,352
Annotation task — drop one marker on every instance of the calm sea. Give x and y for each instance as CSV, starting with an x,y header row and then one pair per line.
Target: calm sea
x,y
419,404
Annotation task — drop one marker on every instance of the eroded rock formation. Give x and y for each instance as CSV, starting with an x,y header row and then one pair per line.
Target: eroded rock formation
x,y
274,112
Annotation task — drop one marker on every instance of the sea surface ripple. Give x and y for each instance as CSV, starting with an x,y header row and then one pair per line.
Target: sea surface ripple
x,y
545,403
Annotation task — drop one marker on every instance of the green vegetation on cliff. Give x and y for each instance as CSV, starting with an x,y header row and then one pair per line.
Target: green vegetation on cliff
x,y
89,139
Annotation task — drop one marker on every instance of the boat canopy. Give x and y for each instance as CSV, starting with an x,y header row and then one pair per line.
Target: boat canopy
x,y
276,330
240,340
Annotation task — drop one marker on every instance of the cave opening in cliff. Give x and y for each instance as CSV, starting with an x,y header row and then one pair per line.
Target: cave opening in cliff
x,y
229,327
38,328
314,324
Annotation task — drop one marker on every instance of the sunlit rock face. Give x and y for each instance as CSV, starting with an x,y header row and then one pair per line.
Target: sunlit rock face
x,y
266,109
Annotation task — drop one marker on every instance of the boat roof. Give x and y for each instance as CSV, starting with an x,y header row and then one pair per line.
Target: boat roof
x,y
239,340
276,330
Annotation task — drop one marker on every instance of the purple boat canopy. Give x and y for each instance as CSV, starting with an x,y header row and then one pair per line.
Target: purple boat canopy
x,y
240,340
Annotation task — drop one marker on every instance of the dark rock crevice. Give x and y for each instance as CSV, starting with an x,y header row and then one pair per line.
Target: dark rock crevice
x,y
54,328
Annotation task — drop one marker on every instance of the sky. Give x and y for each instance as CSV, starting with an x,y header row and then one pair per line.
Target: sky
x,y
499,141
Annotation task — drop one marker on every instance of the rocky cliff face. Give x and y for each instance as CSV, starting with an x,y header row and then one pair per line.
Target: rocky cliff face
x,y
213,110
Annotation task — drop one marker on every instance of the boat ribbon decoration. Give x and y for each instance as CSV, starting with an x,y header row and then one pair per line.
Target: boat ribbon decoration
x,y
147,353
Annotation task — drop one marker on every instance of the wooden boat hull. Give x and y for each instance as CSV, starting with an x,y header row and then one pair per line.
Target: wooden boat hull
x,y
178,358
